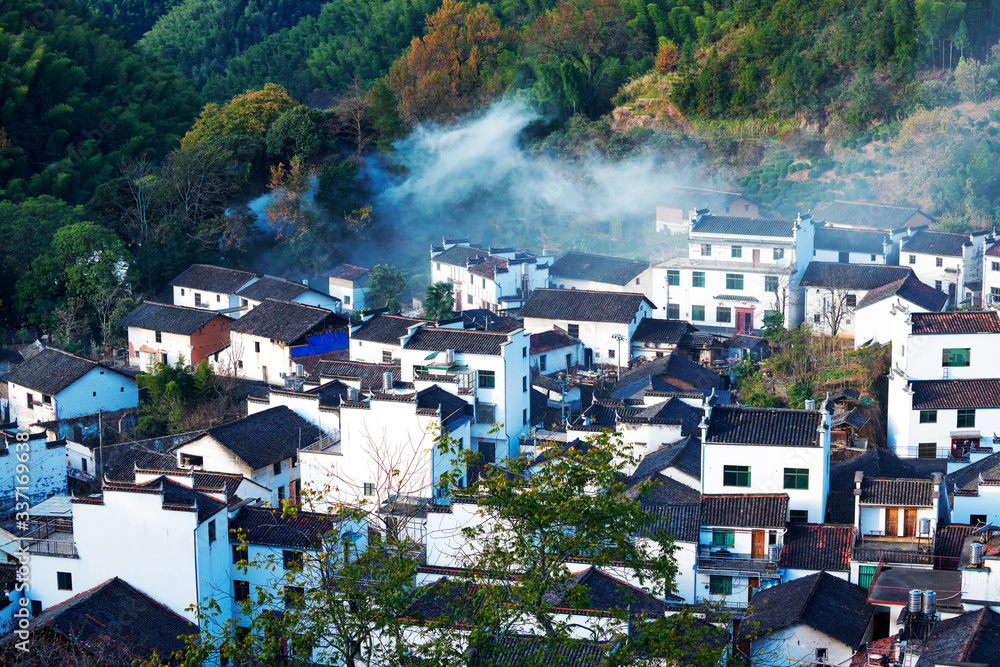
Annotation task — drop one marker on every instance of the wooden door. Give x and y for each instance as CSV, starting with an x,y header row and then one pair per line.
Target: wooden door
x,y
753,585
756,257
891,521
910,522
757,545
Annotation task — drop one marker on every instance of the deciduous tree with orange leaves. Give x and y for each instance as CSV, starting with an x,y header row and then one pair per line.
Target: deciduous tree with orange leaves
x,y
455,67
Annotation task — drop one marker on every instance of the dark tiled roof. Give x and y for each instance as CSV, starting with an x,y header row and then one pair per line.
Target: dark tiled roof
x,y
454,409
676,367
460,255
954,394
853,417
486,320
910,289
466,342
661,331
509,650
268,527
862,214
583,305
972,638
118,614
685,455
840,507
821,601
346,272
606,593
851,240
212,278
852,276
638,387
875,462
936,243
758,510
266,437
662,490
948,545
387,329
897,492
171,319
609,413
598,268
682,520
367,374
994,250
967,322
51,370
136,457
489,267
272,287
286,322
967,477
817,547
553,339
765,426
724,224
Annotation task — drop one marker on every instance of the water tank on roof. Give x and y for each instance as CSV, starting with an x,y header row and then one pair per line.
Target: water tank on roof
x,y
976,557
925,526
387,382
930,603
772,553
915,601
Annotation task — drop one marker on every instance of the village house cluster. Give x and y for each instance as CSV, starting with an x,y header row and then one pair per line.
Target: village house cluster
x,y
827,550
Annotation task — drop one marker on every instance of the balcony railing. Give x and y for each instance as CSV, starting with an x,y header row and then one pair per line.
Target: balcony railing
x,y
739,563
60,548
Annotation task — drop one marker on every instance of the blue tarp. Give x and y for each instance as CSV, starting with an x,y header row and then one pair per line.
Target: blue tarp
x,y
327,342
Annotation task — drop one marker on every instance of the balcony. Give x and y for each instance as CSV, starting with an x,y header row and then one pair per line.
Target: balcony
x,y
899,550
737,564
52,538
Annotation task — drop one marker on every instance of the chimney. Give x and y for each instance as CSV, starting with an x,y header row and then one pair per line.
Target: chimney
x,y
859,476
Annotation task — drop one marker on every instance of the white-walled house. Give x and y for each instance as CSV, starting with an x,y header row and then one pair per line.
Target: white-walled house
x,y
211,287
54,385
816,619
944,391
853,246
379,338
833,290
262,447
991,275
593,317
554,351
347,283
266,287
736,271
895,300
768,450
973,491
578,270
656,338
679,202
951,263
494,279
47,462
163,333
265,342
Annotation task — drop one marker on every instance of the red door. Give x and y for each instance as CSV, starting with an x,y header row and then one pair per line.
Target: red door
x,y
744,320
756,257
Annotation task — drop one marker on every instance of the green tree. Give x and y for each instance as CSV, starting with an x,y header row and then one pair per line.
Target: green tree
x,y
385,287
439,301
297,132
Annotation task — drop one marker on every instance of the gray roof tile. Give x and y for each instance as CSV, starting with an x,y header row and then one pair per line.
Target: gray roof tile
x,y
852,276
179,320
583,305
598,268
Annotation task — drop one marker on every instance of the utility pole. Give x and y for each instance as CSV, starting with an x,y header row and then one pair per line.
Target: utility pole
x,y
100,446
619,338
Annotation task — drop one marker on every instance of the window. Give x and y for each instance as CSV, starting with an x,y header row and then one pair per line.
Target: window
x,y
821,655
815,318
736,475
36,607
485,413
159,337
524,383
487,379
673,311
293,596
611,353
369,488
541,363
798,516
386,356
281,493
239,553
239,363
438,265
938,285
192,460
244,303
723,314
720,585
938,261
484,283
218,298
955,356
996,266
698,313
796,478
197,298
779,253
928,416
636,281
256,346
851,300
966,419
913,259
182,291
468,297
770,283
673,277
723,538
83,463
31,400
291,559
524,353
706,249
524,417
276,468
734,281
697,279
64,581
347,299
241,590
872,258
746,208
573,330
211,531
737,251
927,450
